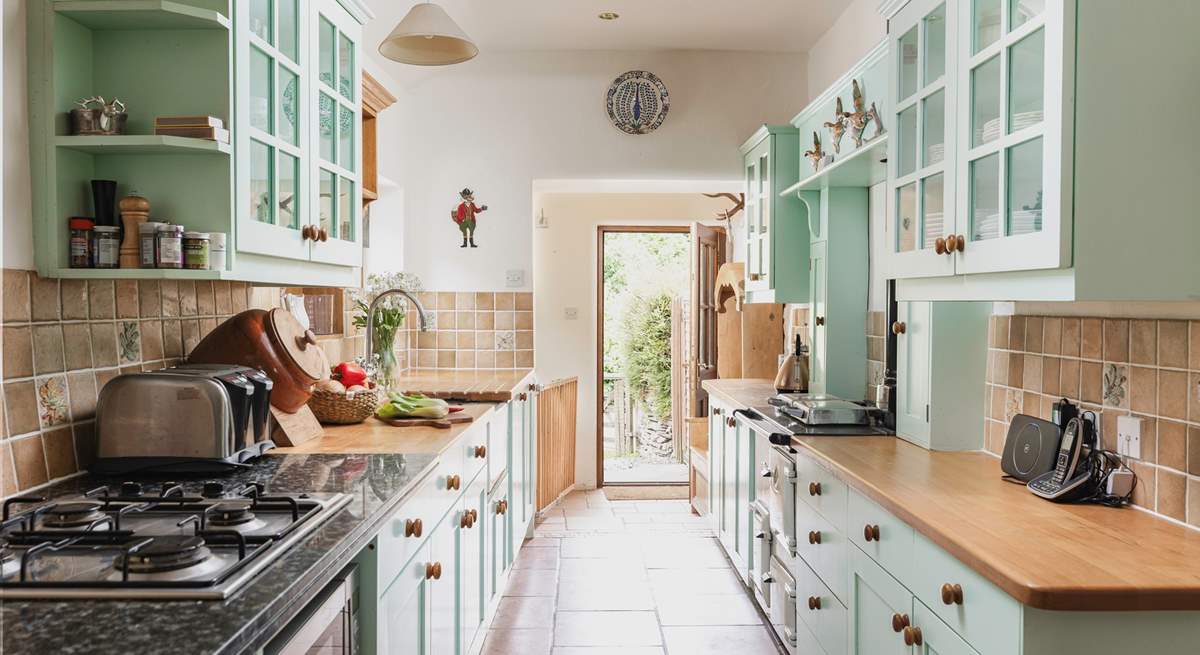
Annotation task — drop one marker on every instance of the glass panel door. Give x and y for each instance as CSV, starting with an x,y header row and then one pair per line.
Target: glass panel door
x,y
922,106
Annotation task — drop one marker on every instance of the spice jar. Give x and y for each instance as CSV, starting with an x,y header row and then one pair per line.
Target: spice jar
x,y
147,257
169,246
195,250
81,242
106,244
216,251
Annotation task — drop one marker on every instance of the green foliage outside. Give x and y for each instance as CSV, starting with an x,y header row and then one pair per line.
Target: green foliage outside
x,y
646,350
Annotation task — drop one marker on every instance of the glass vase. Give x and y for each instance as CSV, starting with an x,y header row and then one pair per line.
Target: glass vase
x,y
387,368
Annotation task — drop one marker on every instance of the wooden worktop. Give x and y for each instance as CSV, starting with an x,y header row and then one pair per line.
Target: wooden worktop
x,y
1046,555
376,437
480,386
745,392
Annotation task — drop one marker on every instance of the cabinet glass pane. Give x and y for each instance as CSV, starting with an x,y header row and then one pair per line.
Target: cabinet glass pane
x,y
935,44
288,27
260,90
985,198
906,145
933,132
325,51
1022,11
985,24
1026,73
289,201
260,19
260,182
906,217
346,138
345,209
1025,187
933,221
325,183
327,108
985,102
764,193
345,67
908,63
289,106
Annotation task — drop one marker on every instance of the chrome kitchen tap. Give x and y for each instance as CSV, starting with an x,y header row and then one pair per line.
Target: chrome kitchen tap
x,y
371,317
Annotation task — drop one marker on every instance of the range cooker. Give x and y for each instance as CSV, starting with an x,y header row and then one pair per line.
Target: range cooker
x,y
151,541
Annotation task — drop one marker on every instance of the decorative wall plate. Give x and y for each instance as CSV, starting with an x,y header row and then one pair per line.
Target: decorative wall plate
x,y
638,102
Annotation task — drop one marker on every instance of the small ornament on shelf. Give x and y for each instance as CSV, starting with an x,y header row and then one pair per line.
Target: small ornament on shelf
x,y
859,117
94,116
873,116
816,154
837,127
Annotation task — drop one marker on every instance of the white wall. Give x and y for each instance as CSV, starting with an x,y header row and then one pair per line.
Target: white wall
x,y
564,261
856,31
501,121
18,213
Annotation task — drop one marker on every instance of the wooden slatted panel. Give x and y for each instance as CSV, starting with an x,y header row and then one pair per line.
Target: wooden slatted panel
x,y
556,407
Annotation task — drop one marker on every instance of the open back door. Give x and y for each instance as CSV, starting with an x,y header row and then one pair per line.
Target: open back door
x,y
708,253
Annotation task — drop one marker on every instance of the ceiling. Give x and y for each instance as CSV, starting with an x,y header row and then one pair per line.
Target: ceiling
x,y
522,25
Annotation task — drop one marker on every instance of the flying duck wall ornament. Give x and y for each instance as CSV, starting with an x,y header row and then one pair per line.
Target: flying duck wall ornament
x,y
837,127
816,154
859,117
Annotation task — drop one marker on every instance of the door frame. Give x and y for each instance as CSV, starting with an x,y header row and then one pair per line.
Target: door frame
x,y
601,232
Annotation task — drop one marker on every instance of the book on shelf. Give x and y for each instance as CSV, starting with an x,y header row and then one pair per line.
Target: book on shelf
x,y
211,133
188,121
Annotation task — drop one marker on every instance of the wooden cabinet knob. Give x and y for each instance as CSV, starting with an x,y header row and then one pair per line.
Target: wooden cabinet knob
x,y
951,244
433,571
960,243
522,396
716,411
412,528
480,452
952,594
322,235
814,537
899,327
814,603
871,532
820,321
501,506
731,422
939,246
814,488
465,520
453,483
912,636
755,277
474,516
899,622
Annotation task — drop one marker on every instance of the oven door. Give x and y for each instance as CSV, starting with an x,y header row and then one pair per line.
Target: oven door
x,y
327,626
783,505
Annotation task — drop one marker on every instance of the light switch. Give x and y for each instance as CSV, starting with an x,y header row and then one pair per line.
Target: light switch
x,y
514,278
571,313
1129,436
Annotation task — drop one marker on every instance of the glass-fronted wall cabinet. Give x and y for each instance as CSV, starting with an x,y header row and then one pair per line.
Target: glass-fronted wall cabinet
x,y
775,239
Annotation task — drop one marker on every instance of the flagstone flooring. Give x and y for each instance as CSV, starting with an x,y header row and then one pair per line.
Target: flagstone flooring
x,y
631,577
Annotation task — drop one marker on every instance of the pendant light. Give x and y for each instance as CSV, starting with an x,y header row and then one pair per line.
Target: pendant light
x,y
427,36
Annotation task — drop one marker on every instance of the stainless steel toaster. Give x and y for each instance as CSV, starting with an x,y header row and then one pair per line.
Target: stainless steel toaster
x,y
190,419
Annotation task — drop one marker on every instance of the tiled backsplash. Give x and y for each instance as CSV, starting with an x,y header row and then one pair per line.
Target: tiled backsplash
x,y
1116,367
473,331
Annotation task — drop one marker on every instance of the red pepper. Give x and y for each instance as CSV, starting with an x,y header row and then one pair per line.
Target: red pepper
x,y
350,374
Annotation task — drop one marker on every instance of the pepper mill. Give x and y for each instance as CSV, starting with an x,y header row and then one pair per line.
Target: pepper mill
x,y
135,210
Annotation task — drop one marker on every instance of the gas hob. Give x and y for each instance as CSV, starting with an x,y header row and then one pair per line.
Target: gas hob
x,y
140,542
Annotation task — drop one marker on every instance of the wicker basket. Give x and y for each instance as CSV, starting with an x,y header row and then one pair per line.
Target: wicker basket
x,y
344,408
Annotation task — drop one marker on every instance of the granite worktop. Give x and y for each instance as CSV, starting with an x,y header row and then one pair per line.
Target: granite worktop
x,y
245,622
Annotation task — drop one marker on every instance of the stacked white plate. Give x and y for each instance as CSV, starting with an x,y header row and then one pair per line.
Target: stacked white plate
x,y
1025,221
988,132
1024,119
987,226
935,153
934,223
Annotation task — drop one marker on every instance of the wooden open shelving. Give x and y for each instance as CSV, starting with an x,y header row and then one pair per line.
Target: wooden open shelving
x,y
142,144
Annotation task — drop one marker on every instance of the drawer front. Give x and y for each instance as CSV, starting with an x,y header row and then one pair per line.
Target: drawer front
x,y
983,614
806,641
473,447
823,548
497,445
820,610
401,536
822,490
891,545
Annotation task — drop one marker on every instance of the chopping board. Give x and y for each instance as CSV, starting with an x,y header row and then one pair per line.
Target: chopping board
x,y
443,423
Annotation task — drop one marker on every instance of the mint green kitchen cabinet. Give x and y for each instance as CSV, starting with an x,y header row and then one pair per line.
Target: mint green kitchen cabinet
x,y
728,529
775,240
443,589
934,636
1034,199
716,467
247,63
940,363
499,540
745,540
522,464
403,610
877,603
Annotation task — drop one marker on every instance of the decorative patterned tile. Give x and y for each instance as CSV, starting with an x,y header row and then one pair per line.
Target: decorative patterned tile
x,y
52,401
1116,385
506,340
129,343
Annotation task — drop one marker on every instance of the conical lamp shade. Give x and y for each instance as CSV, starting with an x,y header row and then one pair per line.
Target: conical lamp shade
x,y
428,37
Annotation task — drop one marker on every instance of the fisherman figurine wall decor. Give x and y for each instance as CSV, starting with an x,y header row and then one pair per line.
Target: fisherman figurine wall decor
x,y
465,216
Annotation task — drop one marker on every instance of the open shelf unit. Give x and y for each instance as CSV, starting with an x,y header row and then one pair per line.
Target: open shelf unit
x,y
865,167
141,15
140,274
142,144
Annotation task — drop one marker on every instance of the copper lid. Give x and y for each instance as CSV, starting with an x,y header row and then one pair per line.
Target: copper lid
x,y
296,345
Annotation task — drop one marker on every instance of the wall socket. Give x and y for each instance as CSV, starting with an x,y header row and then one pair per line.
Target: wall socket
x,y
571,313
1129,436
514,278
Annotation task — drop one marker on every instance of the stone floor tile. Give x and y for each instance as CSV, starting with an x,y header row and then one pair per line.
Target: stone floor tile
x,y
606,629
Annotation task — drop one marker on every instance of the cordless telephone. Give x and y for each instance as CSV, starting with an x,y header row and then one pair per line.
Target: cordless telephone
x,y
1068,480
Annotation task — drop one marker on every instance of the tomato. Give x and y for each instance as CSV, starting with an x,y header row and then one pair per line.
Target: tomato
x,y
350,373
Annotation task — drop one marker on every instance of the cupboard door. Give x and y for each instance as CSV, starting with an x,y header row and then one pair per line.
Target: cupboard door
x,y
914,350
876,602
531,451
518,474
729,455
758,216
336,135
935,636
403,625
920,182
819,292
471,565
716,495
1010,141
744,541
443,593
272,142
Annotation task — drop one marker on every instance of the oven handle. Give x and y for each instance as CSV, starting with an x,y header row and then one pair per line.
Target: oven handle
x,y
759,426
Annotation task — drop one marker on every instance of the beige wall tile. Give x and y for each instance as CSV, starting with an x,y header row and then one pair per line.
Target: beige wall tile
x,y
465,320
1051,369
74,299
1068,378
1172,394
485,340
996,433
1116,340
447,320
506,320
191,335
1172,445
21,410
465,359
485,359
1194,345
1172,494
60,452
149,298
81,387
239,295
170,298
524,321
446,359
1193,438
996,402
1091,334
104,344
1143,342
1143,389
1016,333
1016,369
45,298
1033,334
524,359
47,348
505,300
187,298
464,340
505,359
1149,438
1172,344
464,300
1193,503
127,298
1144,492
1070,337
30,461
485,300
85,443
77,346
16,296
485,320
1052,335
1032,380
525,340
428,299
222,299
172,336
523,301
1031,404
152,340
102,302
18,351
446,339
1091,382
1108,426
8,473
206,299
